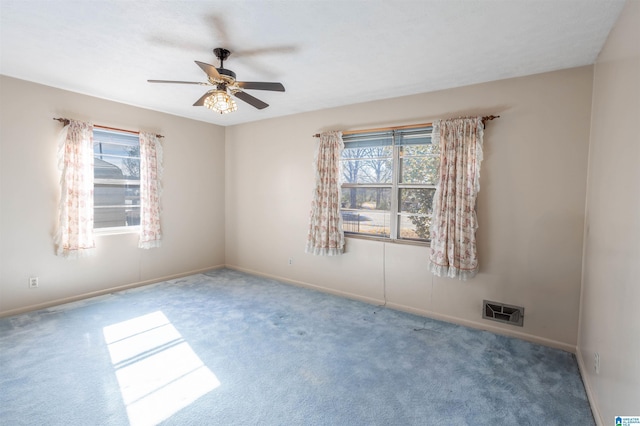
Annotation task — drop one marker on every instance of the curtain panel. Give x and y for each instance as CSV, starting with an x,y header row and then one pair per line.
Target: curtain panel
x,y
74,236
326,237
454,224
150,190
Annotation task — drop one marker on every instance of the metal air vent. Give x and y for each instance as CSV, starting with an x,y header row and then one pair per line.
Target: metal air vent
x,y
500,312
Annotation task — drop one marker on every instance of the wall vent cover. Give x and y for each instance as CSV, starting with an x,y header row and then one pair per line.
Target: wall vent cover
x,y
500,312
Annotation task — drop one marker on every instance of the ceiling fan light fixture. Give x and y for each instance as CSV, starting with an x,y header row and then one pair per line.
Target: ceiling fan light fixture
x,y
225,85
221,102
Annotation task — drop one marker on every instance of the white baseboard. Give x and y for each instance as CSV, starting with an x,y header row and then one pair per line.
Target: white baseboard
x,y
588,388
486,327
103,292
370,300
348,295
429,314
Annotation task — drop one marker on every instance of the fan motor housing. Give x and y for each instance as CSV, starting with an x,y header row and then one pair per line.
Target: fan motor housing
x,y
226,72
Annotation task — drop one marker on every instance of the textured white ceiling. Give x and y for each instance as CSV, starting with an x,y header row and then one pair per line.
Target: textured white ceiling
x,y
326,52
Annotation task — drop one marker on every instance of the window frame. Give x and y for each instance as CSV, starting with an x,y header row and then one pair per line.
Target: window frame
x,y
125,229
395,210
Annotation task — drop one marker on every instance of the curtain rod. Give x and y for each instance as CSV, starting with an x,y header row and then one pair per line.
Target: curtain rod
x,y
413,126
65,121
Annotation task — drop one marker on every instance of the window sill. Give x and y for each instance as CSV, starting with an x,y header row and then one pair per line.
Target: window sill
x,y
388,240
117,231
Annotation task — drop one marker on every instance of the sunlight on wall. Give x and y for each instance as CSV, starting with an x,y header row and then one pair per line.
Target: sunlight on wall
x,y
158,372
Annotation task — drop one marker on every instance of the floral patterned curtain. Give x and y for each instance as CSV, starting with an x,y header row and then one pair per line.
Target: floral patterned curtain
x,y
453,231
326,237
150,190
74,236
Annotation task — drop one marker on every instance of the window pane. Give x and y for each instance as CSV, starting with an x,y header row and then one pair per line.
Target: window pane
x,y
366,210
402,162
424,149
114,138
418,164
367,165
116,205
116,190
108,217
117,149
116,155
416,200
116,168
116,195
366,198
369,222
414,227
417,136
370,139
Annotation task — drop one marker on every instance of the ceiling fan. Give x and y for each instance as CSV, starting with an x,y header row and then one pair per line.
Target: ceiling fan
x,y
224,82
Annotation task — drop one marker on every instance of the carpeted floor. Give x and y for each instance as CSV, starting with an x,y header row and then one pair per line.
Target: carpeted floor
x,y
228,348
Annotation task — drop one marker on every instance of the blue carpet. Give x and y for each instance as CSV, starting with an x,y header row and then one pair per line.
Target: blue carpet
x,y
228,348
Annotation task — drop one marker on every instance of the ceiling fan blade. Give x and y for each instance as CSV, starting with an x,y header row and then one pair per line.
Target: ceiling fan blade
x,y
200,102
219,27
265,50
260,85
210,70
251,100
179,82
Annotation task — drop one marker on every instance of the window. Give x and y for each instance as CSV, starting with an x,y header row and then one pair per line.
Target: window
x,y
116,188
388,183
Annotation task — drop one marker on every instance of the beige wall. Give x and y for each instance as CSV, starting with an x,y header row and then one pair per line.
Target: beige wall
x,y
610,314
193,198
530,206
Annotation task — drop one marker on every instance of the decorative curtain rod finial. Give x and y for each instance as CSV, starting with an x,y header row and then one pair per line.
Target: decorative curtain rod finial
x,y
489,118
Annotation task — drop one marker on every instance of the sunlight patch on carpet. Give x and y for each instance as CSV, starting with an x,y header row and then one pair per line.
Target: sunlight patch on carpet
x,y
158,372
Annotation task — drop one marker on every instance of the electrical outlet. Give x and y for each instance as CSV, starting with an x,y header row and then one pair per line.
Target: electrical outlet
x,y
33,282
596,362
